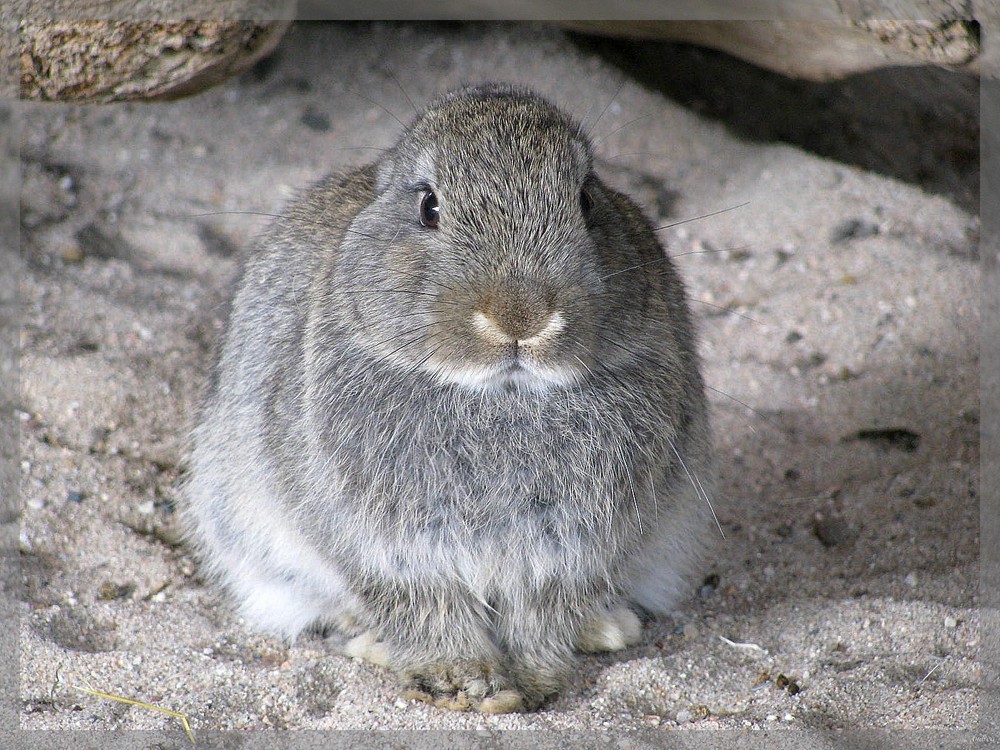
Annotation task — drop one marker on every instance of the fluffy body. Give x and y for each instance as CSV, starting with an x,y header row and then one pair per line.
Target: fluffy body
x,y
476,443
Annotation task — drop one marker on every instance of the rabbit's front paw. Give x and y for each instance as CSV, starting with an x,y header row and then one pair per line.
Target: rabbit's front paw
x,y
463,686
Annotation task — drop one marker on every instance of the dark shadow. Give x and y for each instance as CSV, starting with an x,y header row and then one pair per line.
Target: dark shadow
x,y
916,124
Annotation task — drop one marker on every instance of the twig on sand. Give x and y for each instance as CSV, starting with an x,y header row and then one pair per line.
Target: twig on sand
x,y
176,714
743,646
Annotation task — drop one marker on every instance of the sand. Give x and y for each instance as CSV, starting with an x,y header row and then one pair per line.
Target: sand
x,y
839,320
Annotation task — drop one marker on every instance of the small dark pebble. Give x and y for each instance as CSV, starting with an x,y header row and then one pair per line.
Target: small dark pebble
x,y
781,257
84,346
709,585
217,242
263,69
833,532
298,85
315,120
925,502
97,242
75,497
784,530
853,229
786,683
793,337
792,475
894,437
111,591
813,360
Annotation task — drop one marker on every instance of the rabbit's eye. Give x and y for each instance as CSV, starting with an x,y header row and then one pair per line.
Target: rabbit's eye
x,y
430,211
586,203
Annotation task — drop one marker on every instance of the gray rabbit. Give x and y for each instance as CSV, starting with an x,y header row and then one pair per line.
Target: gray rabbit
x,y
457,413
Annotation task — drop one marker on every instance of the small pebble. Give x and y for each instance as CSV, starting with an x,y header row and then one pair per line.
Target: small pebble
x,y
853,229
315,120
793,337
708,586
911,579
110,591
833,532
72,253
785,530
950,622
683,716
74,496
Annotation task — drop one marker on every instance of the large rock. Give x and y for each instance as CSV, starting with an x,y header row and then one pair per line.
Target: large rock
x,y
104,60
816,50
90,57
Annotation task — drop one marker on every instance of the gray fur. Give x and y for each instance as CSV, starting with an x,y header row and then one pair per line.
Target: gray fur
x,y
364,460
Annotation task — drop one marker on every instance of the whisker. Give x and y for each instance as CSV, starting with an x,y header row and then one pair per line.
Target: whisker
x,y
746,406
377,104
709,250
652,492
703,216
654,363
406,343
631,485
314,222
425,279
697,485
728,310
424,360
621,154
622,127
399,85
635,267
414,292
607,106
582,363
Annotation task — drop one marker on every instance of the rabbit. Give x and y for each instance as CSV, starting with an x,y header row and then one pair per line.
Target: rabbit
x,y
457,412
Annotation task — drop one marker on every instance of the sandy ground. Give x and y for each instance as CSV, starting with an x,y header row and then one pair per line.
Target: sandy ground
x,y
838,312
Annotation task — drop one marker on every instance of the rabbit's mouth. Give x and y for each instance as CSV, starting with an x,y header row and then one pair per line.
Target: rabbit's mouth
x,y
515,373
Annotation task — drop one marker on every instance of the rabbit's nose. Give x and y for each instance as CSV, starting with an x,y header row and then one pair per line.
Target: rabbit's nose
x,y
518,311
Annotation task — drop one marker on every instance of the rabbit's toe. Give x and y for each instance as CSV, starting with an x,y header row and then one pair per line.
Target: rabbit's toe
x,y
468,686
